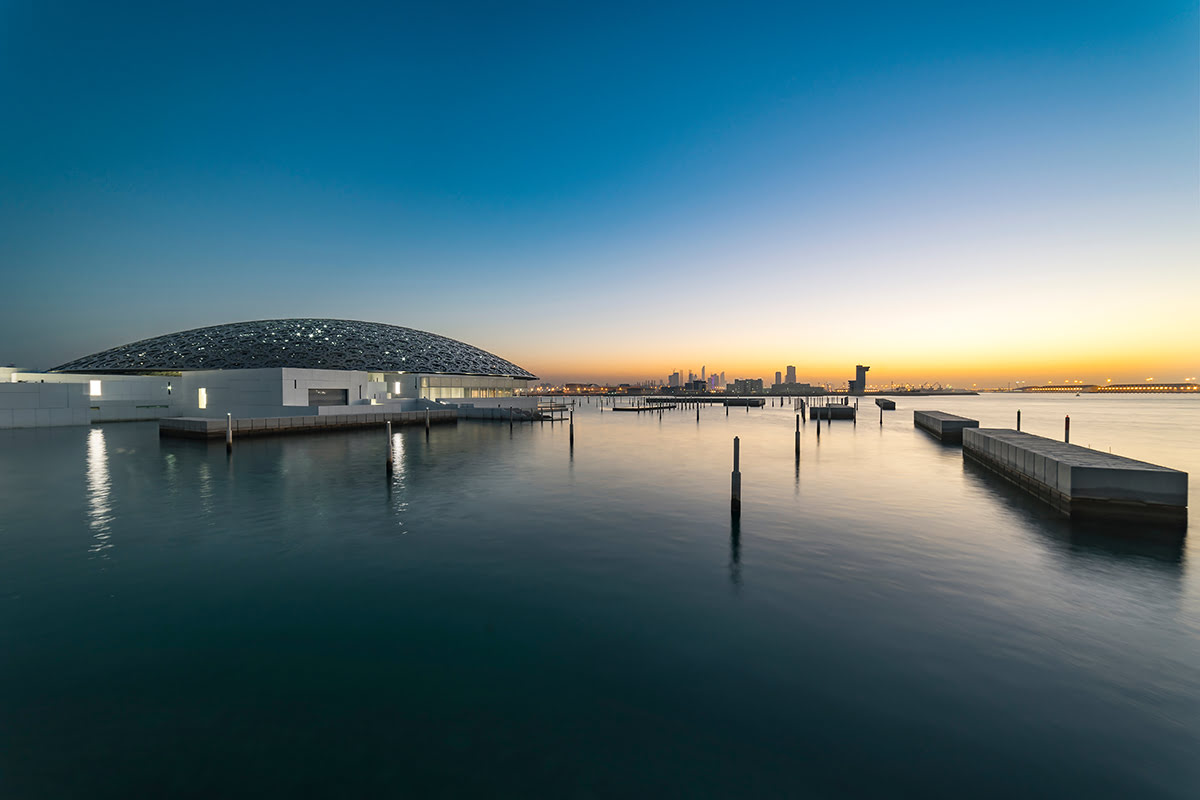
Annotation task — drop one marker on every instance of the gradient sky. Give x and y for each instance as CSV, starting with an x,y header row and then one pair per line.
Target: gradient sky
x,y
955,192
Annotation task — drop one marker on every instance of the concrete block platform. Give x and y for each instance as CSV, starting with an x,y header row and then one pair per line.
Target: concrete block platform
x,y
832,412
947,427
885,404
1078,481
214,427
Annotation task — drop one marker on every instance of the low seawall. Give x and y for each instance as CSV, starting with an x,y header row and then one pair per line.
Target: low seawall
x,y
1078,481
214,428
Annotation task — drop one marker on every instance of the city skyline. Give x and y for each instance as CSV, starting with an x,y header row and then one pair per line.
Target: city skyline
x,y
977,194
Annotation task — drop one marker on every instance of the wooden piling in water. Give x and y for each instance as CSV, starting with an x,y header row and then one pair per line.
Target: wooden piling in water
x,y
228,433
797,438
389,447
1067,429
572,429
1018,420
735,490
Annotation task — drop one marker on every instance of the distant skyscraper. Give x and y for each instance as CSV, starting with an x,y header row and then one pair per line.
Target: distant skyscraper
x,y
673,380
791,374
778,377
702,375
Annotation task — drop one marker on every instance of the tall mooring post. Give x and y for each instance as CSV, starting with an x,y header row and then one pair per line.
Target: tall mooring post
x,y
1018,419
697,412
389,447
510,419
735,490
229,433
797,438
1067,429
427,423
572,428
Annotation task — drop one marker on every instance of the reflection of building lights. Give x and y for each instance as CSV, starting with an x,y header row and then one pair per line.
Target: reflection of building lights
x,y
98,490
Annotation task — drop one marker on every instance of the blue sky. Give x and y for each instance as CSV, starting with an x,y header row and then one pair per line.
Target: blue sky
x,y
945,185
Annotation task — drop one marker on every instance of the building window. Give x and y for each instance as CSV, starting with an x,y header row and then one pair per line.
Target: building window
x,y
202,398
94,388
396,387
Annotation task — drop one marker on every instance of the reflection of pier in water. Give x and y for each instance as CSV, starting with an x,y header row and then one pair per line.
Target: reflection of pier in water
x,y
1151,547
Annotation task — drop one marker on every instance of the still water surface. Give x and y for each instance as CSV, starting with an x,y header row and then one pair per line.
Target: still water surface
x,y
508,617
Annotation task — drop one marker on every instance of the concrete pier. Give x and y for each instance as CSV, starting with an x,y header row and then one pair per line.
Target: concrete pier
x,y
754,402
1076,480
832,412
212,428
885,404
947,427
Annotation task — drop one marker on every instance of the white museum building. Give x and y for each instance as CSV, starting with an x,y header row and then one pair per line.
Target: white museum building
x,y
265,368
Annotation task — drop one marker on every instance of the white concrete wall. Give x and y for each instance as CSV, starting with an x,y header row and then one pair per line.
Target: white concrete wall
x,y
247,393
241,392
43,405
297,382
121,397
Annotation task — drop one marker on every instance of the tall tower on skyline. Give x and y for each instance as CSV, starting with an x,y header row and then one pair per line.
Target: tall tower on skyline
x,y
859,384
791,374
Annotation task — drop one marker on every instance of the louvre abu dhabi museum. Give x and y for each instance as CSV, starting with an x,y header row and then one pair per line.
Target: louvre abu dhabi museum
x,y
266,368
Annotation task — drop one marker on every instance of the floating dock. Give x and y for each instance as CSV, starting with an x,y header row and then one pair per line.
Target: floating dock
x,y
832,412
1076,480
756,402
214,428
947,427
886,405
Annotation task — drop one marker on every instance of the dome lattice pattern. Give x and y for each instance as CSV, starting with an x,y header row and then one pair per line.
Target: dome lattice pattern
x,y
299,343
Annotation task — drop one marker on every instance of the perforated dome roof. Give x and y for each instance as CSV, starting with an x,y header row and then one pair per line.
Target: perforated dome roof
x,y
300,343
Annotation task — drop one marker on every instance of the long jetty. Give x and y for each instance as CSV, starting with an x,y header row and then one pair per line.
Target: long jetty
x,y
210,428
947,427
1078,481
647,407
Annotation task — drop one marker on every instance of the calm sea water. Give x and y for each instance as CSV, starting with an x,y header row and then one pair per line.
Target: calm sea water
x,y
508,617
